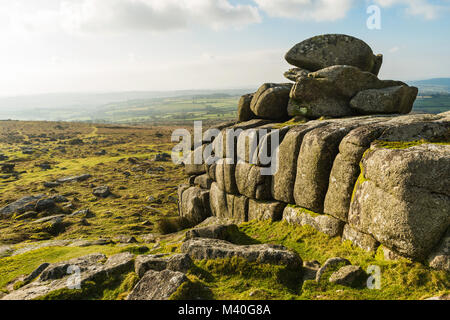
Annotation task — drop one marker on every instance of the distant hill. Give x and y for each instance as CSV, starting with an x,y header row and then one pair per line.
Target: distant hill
x,y
435,81
95,106
436,85
159,106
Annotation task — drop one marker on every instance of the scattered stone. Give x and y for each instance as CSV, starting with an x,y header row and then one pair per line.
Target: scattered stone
x,y
310,269
331,263
79,178
125,239
149,262
5,251
53,219
90,243
28,151
49,184
102,191
349,276
21,206
44,166
44,204
101,153
59,199
7,168
84,213
162,157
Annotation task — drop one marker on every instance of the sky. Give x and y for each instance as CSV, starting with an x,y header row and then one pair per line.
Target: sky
x,y
50,46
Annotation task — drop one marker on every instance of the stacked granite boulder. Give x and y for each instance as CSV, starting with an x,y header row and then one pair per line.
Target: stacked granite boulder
x,y
355,166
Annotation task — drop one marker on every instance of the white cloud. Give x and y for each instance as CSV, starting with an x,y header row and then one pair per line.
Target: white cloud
x,y
394,49
423,8
307,10
116,16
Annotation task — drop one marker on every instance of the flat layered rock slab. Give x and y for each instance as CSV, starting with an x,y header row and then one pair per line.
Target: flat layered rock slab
x,y
209,249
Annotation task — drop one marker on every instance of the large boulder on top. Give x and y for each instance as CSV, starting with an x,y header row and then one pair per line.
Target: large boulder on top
x,y
333,49
402,198
271,100
399,99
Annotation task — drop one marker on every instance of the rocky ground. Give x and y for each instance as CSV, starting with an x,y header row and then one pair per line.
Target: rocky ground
x,y
103,199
